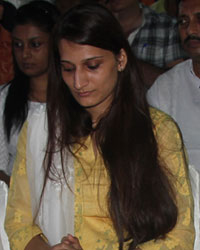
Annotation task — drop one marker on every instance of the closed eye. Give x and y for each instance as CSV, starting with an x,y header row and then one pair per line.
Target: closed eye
x,y
93,67
67,69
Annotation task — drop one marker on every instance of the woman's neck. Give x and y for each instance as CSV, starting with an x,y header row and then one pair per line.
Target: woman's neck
x,y
38,88
100,110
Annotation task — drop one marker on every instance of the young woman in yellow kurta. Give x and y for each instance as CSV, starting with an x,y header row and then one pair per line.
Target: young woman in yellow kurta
x,y
114,174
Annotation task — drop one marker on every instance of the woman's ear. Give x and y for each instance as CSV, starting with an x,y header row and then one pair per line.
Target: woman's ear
x,y
122,60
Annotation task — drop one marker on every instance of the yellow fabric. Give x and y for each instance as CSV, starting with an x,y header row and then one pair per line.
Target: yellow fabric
x,y
19,221
93,226
171,151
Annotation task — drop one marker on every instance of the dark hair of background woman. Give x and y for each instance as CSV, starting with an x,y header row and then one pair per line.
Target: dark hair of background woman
x,y
9,12
140,200
43,15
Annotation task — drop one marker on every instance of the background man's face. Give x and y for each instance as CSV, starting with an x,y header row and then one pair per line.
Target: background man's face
x,y
189,26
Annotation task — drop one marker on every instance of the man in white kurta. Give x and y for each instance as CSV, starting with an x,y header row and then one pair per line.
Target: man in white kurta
x,y
177,92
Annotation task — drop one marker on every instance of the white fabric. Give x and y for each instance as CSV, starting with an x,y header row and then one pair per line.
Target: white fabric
x,y
177,92
4,243
56,213
8,150
195,182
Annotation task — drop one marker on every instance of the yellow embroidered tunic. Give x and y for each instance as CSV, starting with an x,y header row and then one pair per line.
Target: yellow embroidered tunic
x,y
92,223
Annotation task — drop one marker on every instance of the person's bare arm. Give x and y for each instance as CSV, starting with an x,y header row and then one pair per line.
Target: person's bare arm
x,y
37,243
4,177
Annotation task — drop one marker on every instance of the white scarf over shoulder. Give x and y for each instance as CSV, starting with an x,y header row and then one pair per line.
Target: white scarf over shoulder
x,y
56,213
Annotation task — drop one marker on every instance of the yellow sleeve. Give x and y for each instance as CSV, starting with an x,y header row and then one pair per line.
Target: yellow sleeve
x,y
171,152
19,221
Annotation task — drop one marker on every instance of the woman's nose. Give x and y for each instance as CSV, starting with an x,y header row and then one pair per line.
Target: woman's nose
x,y
80,79
26,52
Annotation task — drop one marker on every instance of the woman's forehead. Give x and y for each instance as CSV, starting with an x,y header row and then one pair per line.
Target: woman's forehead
x,y
75,52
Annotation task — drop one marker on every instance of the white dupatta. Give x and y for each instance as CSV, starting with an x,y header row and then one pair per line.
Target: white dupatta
x,y
56,213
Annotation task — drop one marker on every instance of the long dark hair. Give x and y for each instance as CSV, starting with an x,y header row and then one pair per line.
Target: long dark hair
x,y
44,15
140,198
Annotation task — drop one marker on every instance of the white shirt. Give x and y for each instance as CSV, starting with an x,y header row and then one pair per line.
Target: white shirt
x,y
177,92
8,149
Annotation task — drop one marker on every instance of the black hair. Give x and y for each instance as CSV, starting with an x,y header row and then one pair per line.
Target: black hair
x,y
9,13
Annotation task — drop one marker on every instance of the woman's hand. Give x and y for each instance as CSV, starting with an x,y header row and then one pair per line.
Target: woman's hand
x,y
71,242
67,243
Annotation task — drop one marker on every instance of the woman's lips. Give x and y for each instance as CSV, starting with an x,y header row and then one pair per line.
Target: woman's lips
x,y
28,65
84,94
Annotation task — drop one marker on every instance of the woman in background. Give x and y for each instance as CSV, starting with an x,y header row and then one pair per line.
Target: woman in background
x,y
106,171
27,91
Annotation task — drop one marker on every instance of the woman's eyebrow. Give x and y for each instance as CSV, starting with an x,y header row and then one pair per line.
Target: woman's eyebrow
x,y
92,58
